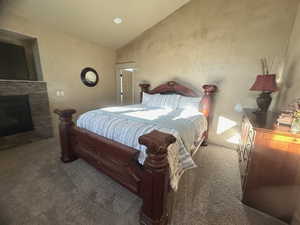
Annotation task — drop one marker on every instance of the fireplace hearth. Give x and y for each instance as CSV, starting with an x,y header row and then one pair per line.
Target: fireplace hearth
x,y
15,115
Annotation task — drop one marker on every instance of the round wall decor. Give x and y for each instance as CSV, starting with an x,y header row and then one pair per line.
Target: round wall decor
x,y
89,77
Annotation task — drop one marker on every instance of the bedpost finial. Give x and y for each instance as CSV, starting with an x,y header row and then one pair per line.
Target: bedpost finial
x,y
157,144
144,87
65,115
171,83
210,89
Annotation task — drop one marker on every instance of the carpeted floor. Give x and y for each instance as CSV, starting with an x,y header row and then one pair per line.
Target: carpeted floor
x,y
37,189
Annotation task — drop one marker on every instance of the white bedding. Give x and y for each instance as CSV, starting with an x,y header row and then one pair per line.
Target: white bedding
x,y
125,124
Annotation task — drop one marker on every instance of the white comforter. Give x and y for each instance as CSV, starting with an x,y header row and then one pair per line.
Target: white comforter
x,y
125,124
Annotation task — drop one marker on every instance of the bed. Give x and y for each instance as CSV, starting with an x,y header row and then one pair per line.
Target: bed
x,y
144,147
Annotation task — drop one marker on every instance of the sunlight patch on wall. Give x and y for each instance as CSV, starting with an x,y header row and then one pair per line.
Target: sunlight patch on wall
x,y
225,124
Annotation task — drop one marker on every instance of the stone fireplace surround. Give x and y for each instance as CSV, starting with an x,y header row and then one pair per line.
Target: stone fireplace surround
x,y
40,112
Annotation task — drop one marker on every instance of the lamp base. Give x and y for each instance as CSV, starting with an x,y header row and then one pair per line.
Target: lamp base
x,y
263,101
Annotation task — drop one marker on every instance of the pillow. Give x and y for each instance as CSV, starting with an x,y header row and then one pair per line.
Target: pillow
x,y
146,98
168,101
192,103
158,100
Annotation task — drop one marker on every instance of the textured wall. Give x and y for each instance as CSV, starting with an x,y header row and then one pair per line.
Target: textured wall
x,y
62,58
291,81
291,78
215,41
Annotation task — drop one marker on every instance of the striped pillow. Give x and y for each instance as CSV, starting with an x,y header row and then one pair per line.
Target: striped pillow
x,y
169,101
192,103
158,100
147,98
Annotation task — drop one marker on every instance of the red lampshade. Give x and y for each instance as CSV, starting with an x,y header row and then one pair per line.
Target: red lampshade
x,y
265,83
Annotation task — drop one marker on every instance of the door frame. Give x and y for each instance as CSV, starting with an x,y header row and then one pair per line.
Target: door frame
x,y
119,67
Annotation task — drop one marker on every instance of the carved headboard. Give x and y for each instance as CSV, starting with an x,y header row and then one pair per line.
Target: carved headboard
x,y
172,87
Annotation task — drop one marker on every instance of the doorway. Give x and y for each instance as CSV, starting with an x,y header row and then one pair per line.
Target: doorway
x,y
125,87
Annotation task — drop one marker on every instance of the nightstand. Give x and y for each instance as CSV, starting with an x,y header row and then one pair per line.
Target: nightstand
x,y
269,164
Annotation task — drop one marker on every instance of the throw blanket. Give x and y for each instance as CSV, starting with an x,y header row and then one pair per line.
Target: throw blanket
x,y
125,124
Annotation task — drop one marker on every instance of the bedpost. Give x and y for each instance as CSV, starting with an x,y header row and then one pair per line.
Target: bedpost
x,y
207,100
155,182
66,123
144,88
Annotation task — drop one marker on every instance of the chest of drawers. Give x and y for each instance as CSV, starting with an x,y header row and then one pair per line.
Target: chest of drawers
x,y
270,165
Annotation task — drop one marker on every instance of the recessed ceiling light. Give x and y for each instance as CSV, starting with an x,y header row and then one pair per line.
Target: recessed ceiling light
x,y
117,20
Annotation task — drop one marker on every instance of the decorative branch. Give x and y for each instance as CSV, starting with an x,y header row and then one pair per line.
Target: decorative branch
x,y
267,65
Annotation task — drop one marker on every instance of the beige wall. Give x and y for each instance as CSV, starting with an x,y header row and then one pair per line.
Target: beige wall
x,y
62,58
215,41
291,78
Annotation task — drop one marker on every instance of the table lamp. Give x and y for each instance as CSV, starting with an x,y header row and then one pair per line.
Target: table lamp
x,y
266,84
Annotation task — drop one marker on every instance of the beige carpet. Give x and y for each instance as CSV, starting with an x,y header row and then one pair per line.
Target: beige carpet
x,y
37,189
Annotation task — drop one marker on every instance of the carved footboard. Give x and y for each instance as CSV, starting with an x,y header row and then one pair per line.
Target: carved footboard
x,y
150,181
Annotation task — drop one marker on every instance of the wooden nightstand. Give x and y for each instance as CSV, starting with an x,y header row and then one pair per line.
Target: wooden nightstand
x,y
269,165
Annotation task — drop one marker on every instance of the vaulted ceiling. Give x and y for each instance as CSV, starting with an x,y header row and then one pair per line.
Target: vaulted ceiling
x,y
93,19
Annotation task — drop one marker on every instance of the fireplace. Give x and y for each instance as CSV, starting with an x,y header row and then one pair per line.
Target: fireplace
x,y
15,115
24,113
24,103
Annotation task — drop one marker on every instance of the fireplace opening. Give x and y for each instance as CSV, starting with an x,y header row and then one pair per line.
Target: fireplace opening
x,y
15,115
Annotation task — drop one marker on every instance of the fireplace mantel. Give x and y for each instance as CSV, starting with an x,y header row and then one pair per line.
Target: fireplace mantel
x,y
23,81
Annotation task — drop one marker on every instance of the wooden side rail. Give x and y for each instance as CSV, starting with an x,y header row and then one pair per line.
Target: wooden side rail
x,y
156,178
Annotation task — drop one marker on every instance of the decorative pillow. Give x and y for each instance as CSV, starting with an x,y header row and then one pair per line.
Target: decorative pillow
x,y
192,103
169,101
158,100
147,98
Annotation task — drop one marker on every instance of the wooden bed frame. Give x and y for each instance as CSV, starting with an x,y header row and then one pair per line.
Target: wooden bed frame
x,y
150,181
